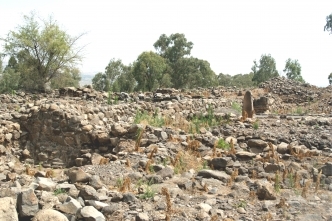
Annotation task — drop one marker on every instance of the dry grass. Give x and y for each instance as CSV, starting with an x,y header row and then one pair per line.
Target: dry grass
x,y
128,164
147,166
254,174
154,151
49,173
165,192
305,189
234,174
318,181
138,139
244,116
104,161
125,185
282,203
29,171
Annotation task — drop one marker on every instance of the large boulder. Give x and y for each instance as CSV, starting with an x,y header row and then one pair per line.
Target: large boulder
x,y
8,209
49,215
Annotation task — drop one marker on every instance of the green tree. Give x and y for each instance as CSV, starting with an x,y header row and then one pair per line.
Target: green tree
x,y
330,79
99,81
293,70
328,25
173,47
69,78
125,82
149,71
43,51
113,70
265,70
194,73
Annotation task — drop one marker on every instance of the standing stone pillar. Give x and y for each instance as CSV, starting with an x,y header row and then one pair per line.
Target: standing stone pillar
x,y
247,105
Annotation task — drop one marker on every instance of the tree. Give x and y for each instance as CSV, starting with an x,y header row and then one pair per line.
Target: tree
x,y
194,73
43,51
293,70
330,79
173,47
149,71
69,78
328,25
265,70
99,81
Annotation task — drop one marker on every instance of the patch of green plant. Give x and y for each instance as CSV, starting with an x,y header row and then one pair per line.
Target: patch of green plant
x,y
205,165
291,180
109,98
242,204
222,144
207,120
153,120
299,111
255,125
237,107
277,182
165,162
148,193
180,166
151,169
59,191
119,182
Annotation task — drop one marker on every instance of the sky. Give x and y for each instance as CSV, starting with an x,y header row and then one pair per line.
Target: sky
x,y
230,35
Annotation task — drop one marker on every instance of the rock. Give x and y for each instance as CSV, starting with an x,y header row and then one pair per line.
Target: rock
x,y
96,204
327,169
205,207
45,184
166,172
221,162
265,190
91,214
219,175
71,206
88,193
282,148
8,209
77,175
142,217
241,210
27,203
96,158
95,182
49,215
245,156
129,197
256,145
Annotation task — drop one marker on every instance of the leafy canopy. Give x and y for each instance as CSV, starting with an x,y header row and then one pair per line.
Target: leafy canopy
x,y
43,51
293,70
265,70
328,25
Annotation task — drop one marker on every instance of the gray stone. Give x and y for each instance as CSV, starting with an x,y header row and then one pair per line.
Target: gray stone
x,y
95,182
219,175
221,162
166,172
89,213
129,197
71,206
327,169
27,203
8,209
257,145
77,175
142,217
49,215
88,193
45,184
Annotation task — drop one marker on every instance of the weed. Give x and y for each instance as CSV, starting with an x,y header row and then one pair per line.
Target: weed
x,y
104,161
237,107
318,180
234,174
40,166
282,203
277,181
148,166
305,189
125,185
128,164
205,165
109,98
164,191
59,191
139,135
165,162
222,144
119,183
49,173
154,151
148,193
242,204
252,195
255,125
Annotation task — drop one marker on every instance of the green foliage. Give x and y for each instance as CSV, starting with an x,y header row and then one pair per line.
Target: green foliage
x,y
277,181
328,25
148,191
255,125
43,51
207,120
330,78
59,191
242,204
237,107
293,70
69,78
239,80
152,119
9,80
149,71
265,70
119,182
173,47
222,144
